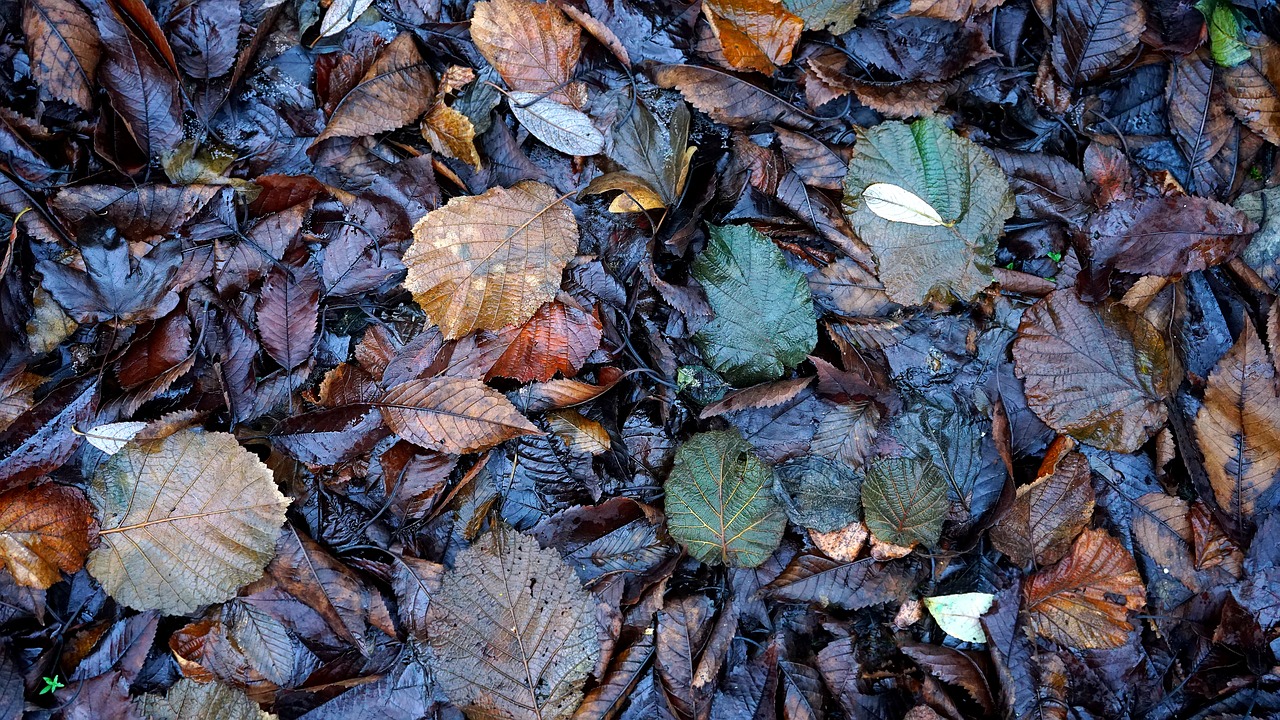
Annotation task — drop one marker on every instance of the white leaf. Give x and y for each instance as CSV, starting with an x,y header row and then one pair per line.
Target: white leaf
x,y
959,615
897,204
341,15
558,125
112,437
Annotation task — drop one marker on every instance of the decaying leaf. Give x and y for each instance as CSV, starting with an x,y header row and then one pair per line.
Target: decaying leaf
x,y
1251,87
112,437
453,415
563,128
764,320
1096,372
720,503
64,49
1093,36
512,632
397,89
1084,601
185,521
819,494
943,240
533,46
1047,515
44,531
1238,430
491,260
754,34
904,501
191,700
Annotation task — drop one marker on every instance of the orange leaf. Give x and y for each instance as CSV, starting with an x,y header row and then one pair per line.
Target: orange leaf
x,y
532,45
558,338
1084,600
754,34
44,531
453,415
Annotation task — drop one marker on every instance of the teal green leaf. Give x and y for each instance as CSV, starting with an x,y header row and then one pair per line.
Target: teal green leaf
x,y
838,16
956,178
905,501
819,494
1224,32
764,320
720,504
960,616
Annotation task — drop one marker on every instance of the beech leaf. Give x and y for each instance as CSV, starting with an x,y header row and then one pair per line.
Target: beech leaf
x,y
719,501
185,521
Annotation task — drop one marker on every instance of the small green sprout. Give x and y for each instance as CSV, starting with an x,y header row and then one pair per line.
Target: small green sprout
x,y
51,684
1054,256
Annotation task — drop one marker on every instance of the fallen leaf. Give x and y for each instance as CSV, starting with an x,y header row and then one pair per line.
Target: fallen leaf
x,y
512,632
729,99
764,320
190,700
451,134
958,183
960,615
719,501
112,437
1084,601
754,34
1251,88
1238,429
341,15
490,260
838,16
185,521
1047,515
452,415
142,91
64,48
205,36
819,494
44,531
559,126
397,89
1094,36
115,286
904,501
579,434
1113,399
288,313
558,338
532,45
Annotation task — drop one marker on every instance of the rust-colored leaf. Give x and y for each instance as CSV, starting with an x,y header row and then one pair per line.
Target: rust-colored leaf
x,y
754,34
490,260
44,532
64,48
288,313
395,91
453,415
532,45
558,338
1047,515
1084,601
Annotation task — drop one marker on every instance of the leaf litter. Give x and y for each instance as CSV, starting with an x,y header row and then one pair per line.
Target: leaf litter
x,y
607,359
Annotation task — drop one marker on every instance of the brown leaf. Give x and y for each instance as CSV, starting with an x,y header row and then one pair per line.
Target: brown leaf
x,y
142,91
565,393
558,338
288,313
44,532
315,578
452,415
17,394
186,521
1098,373
532,45
47,436
451,134
1238,429
395,91
64,48
1084,601
1198,116
754,34
491,260
167,345
769,394
1047,515
1253,88
816,163
953,10
1092,36
729,99
957,667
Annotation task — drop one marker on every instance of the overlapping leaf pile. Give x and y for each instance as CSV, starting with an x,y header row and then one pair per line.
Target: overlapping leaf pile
x,y
631,359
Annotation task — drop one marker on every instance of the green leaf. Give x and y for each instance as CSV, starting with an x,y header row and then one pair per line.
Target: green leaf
x,y
905,501
958,441
960,615
1224,32
720,504
818,493
954,178
835,15
764,320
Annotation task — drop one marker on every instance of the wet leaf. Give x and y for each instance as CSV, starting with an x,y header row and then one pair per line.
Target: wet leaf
x,y
397,89
452,415
491,260
558,338
112,437
1047,515
955,178
1111,400
1198,116
1094,36
288,313
838,16
512,632
190,700
1238,430
44,531
904,501
64,48
341,15
205,35
556,124
185,521
764,313
115,286
1084,601
824,582
959,615
532,45
729,99
754,34
719,501
1251,88
142,91
819,494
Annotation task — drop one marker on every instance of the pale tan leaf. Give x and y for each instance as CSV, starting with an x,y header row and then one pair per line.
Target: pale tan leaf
x,y
451,134
489,261
897,204
186,521
556,124
341,15
579,433
112,437
453,415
